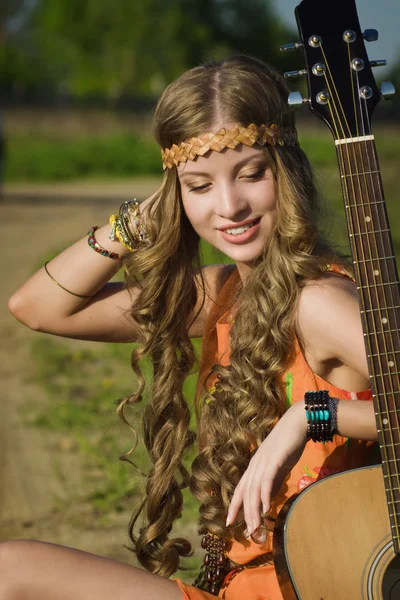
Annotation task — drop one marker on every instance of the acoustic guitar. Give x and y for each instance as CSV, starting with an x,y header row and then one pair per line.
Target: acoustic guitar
x,y
339,539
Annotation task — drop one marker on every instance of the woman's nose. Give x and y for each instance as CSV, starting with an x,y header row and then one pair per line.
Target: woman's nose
x,y
230,201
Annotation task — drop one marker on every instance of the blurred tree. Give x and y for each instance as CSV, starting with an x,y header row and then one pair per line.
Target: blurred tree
x,y
131,48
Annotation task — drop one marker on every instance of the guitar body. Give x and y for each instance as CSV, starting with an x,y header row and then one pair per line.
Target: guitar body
x,y
333,541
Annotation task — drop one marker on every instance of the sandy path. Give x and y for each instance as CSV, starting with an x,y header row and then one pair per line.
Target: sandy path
x,y
28,479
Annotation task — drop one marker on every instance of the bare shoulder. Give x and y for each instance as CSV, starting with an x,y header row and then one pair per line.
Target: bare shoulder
x,y
326,294
211,279
329,322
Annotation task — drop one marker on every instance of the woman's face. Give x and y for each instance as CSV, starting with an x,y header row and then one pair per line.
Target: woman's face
x,y
229,198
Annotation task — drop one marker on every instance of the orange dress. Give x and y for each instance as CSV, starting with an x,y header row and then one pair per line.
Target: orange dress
x,y
317,461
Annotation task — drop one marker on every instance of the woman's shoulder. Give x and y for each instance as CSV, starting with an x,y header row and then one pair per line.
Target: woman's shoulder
x,y
329,322
322,299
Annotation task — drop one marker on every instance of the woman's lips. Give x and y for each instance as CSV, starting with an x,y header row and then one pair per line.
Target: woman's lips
x,y
241,238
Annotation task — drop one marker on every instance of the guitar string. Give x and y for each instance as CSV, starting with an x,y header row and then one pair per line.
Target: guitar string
x,y
345,183
370,254
390,376
373,316
363,112
363,108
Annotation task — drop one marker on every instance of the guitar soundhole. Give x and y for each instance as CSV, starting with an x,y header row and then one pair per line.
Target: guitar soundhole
x,y
391,580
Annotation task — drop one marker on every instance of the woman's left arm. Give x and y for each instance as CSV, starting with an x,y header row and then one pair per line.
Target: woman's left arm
x,y
330,325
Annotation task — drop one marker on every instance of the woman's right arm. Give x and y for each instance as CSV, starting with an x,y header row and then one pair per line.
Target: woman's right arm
x,y
43,306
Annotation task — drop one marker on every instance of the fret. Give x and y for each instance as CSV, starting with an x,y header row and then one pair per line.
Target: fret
x,y
384,354
380,332
364,204
394,444
369,232
385,412
394,501
391,460
391,393
396,489
384,374
380,308
358,174
367,287
377,259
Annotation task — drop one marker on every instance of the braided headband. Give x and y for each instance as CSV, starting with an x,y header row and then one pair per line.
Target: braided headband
x,y
227,138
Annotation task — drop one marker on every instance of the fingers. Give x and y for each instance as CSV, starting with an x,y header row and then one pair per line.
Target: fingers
x,y
236,502
252,505
254,493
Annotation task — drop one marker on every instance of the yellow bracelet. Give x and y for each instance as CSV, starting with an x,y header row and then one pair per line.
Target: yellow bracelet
x,y
116,233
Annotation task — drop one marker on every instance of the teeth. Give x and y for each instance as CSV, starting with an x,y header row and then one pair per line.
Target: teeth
x,y
236,230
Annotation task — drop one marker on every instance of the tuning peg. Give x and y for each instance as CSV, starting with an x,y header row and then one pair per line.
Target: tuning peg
x,y
387,90
294,46
295,74
295,100
370,35
378,63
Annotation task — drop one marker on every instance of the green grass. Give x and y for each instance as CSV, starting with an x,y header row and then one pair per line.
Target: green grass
x,y
35,158
38,158
82,388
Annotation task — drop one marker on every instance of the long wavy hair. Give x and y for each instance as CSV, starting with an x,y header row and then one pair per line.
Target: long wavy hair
x,y
249,396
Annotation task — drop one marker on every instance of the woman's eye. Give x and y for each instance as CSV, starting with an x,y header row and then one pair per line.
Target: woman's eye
x,y
256,175
200,188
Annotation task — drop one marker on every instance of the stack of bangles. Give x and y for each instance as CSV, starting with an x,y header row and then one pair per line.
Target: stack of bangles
x,y
321,415
127,228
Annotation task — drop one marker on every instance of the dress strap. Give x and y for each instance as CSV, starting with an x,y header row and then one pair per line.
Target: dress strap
x,y
339,270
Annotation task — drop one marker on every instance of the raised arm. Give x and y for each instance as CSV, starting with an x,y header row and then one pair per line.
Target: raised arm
x,y
85,304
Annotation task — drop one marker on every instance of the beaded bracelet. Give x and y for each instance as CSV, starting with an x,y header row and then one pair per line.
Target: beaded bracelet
x,y
96,246
321,415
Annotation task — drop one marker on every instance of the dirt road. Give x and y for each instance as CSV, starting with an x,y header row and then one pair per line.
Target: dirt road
x,y
48,219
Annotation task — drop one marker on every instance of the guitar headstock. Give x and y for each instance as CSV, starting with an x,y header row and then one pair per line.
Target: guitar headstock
x,y
341,85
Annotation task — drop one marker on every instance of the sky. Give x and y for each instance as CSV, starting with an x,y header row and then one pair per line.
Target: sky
x,y
383,15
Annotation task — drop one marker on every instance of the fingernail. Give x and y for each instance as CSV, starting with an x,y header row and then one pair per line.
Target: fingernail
x,y
260,538
264,508
254,525
228,521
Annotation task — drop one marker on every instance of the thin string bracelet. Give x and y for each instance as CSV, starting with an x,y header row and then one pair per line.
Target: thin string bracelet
x,y
61,286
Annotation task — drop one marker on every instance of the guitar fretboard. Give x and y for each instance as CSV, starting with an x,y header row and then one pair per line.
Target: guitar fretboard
x,y
378,286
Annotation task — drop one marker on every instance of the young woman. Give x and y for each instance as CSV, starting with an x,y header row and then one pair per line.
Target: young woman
x,y
282,321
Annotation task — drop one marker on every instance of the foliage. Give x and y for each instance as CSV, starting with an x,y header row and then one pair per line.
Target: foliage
x,y
123,48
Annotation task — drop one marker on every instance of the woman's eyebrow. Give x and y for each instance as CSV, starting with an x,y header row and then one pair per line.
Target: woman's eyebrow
x,y
237,166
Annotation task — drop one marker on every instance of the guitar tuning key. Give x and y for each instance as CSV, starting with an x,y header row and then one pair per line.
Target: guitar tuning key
x,y
370,35
378,63
295,74
293,46
295,100
387,90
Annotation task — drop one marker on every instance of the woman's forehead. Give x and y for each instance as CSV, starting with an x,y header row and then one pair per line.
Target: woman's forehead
x,y
214,161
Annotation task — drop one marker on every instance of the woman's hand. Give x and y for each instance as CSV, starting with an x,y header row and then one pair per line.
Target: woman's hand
x,y
269,467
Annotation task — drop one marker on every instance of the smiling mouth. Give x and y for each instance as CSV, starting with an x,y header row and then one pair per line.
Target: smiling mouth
x,y
242,228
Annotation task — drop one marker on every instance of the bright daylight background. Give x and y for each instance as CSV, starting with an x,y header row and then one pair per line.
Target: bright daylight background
x,y
78,83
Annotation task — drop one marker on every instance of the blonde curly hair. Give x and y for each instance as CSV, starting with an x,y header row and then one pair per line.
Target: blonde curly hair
x,y
249,396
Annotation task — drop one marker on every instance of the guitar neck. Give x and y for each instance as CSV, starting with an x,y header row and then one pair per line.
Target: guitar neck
x,y
379,295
